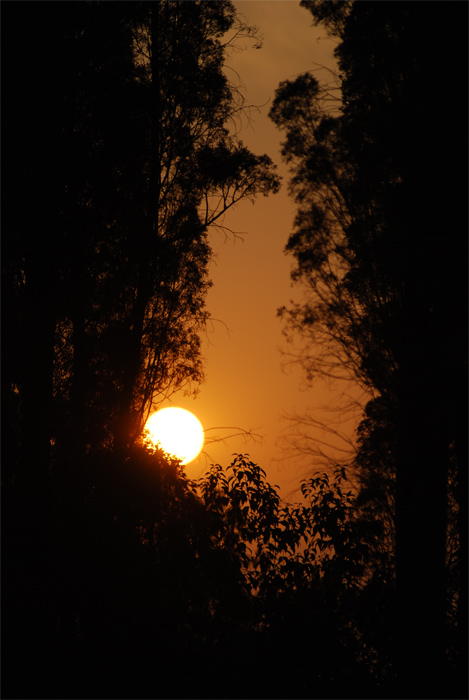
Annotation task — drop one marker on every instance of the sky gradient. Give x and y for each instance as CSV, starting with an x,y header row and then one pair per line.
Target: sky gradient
x,y
247,384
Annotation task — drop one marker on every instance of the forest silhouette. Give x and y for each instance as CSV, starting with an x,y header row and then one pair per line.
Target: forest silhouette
x,y
121,577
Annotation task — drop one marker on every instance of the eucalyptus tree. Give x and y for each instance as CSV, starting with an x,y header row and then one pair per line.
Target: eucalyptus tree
x,y
120,156
131,157
197,170
380,246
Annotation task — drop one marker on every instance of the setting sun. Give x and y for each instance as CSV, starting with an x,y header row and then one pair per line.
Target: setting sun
x,y
177,431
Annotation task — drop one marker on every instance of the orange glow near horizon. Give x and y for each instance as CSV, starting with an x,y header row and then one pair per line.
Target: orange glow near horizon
x,y
249,382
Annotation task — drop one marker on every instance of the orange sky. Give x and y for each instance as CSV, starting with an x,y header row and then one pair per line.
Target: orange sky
x,y
245,384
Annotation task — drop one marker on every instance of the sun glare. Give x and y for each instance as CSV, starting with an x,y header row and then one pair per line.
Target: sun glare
x,y
177,431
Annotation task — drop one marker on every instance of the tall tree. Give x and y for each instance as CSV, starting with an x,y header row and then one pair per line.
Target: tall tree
x,y
120,158
197,170
387,274
130,159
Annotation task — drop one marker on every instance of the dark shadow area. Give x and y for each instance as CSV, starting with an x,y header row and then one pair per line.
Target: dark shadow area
x,y
120,577
380,247
149,590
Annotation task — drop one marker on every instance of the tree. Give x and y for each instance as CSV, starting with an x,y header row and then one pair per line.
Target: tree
x,y
141,164
302,566
384,299
166,586
118,167
197,171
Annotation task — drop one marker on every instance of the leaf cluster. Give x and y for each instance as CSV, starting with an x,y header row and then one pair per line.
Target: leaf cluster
x,y
274,541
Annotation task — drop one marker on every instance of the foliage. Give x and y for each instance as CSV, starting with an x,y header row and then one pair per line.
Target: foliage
x,y
275,541
331,13
121,575
130,158
378,265
335,320
152,573
306,569
144,163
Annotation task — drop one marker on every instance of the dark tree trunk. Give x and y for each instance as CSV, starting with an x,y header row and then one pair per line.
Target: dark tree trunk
x,y
147,251
124,428
422,472
37,393
461,444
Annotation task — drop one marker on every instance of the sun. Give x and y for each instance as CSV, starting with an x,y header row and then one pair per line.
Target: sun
x,y
177,431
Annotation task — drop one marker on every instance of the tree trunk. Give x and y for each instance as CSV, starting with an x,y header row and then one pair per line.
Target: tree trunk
x,y
422,469
37,392
147,251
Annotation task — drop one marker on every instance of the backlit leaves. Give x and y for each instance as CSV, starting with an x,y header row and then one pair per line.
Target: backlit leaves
x,y
273,540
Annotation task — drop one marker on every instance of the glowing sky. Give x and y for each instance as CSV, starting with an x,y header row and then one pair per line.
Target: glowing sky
x,y
246,385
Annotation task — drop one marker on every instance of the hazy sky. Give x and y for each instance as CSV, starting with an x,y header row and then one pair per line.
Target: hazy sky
x,y
246,385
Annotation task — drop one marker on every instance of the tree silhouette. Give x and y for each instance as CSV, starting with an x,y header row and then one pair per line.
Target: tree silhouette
x,y
121,156
301,566
108,300
385,297
162,586
122,578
